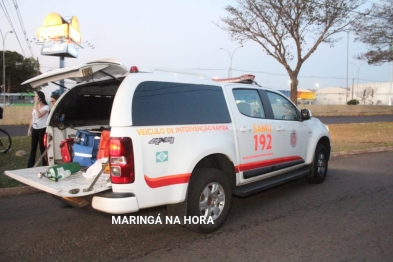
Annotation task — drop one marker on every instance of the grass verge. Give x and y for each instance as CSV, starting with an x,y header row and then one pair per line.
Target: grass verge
x,y
9,161
357,136
345,137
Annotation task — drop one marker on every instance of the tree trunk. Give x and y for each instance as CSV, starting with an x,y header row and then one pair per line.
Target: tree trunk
x,y
294,84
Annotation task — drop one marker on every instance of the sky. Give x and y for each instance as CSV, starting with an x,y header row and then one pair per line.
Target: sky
x,y
178,34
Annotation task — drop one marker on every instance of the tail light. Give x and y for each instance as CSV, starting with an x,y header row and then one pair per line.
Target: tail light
x,y
46,140
121,160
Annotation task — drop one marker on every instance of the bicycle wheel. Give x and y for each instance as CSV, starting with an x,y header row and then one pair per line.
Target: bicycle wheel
x,y
5,141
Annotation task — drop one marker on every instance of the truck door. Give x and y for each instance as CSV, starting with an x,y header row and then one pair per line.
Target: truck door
x,y
293,134
255,135
270,137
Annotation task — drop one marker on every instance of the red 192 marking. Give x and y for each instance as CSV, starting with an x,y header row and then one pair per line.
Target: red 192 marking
x,y
264,141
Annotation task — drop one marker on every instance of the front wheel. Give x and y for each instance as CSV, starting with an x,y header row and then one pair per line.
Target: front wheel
x,y
319,166
5,141
209,200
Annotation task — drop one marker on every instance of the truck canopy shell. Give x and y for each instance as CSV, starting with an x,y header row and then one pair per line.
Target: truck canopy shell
x,y
82,72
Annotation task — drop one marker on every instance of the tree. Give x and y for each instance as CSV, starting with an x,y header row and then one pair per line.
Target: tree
x,y
281,27
18,69
376,31
367,94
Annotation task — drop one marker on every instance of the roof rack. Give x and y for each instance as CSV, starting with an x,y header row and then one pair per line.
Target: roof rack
x,y
245,79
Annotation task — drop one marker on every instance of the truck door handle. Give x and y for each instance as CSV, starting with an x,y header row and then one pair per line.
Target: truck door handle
x,y
280,128
245,129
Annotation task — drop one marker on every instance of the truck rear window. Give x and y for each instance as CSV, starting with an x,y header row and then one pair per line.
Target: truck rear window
x,y
166,103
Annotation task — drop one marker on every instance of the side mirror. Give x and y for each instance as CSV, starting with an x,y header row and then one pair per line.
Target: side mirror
x,y
305,114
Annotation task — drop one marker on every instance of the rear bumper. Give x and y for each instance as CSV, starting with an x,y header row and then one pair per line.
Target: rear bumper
x,y
115,203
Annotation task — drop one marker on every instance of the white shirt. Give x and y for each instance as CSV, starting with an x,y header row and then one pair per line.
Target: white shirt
x,y
40,122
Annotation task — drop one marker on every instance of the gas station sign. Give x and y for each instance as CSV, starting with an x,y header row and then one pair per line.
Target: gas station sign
x,y
59,37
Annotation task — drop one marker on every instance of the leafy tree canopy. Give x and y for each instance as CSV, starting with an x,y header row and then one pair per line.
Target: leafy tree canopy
x,y
17,70
376,31
284,28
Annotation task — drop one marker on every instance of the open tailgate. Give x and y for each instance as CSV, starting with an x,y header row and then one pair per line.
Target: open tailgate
x,y
72,186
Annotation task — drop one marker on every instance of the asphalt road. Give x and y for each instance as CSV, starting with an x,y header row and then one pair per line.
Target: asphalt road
x,y
22,130
347,218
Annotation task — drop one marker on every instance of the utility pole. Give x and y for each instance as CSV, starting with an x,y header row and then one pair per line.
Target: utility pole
x,y
391,77
3,37
61,65
347,60
353,80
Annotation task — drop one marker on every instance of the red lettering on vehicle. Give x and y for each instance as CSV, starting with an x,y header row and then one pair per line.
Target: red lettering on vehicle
x,y
264,140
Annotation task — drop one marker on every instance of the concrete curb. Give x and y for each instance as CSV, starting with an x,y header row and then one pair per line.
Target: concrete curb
x,y
362,151
11,191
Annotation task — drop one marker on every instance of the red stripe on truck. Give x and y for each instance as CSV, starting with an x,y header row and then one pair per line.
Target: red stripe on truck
x,y
259,164
167,180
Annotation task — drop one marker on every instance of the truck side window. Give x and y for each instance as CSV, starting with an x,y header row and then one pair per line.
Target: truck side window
x,y
282,108
167,103
249,103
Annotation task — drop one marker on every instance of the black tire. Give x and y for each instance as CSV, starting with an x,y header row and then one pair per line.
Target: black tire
x,y
319,166
209,196
5,141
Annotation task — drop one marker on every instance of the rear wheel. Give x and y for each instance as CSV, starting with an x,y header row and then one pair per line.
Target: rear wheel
x,y
319,166
209,200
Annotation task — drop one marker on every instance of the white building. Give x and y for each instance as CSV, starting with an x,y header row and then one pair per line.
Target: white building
x,y
367,94
331,96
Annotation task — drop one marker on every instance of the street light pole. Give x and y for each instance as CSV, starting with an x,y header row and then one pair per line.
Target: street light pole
x,y
347,59
358,68
3,37
390,101
230,56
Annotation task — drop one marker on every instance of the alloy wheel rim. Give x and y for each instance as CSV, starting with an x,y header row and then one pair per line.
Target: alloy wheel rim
x,y
212,201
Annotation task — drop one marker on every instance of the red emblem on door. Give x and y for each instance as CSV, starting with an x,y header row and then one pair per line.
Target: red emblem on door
x,y
293,138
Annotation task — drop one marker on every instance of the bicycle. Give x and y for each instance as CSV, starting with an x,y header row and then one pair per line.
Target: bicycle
x,y
5,141
5,138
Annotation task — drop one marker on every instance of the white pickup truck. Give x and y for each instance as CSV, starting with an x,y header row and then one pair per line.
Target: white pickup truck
x,y
179,139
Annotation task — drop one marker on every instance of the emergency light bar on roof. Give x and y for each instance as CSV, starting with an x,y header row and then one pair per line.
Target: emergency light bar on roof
x,y
245,79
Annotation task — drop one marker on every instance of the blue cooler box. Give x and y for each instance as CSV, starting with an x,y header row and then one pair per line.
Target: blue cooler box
x,y
86,147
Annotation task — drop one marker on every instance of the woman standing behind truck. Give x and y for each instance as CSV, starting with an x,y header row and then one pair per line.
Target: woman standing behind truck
x,y
53,98
37,127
